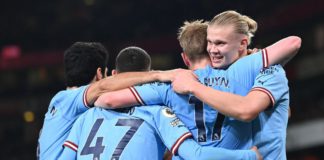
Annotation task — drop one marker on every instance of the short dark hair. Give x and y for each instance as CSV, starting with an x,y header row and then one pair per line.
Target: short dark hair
x,y
81,61
133,59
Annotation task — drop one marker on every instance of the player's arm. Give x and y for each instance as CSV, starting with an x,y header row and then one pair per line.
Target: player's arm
x,y
68,154
117,99
70,146
244,108
283,50
146,94
178,139
124,80
190,149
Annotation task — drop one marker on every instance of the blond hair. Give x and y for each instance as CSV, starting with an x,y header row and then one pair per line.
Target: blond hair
x,y
242,24
192,38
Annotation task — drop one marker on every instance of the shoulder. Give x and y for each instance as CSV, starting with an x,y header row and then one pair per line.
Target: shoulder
x,y
275,69
71,91
60,96
252,57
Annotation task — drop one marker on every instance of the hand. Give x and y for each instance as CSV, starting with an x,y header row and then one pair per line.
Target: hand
x,y
254,50
255,149
184,81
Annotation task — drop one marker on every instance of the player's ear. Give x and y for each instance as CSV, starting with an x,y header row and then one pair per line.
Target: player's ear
x,y
243,46
106,72
185,59
99,75
113,72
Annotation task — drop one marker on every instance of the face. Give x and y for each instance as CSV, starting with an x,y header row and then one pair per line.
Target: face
x,y
223,45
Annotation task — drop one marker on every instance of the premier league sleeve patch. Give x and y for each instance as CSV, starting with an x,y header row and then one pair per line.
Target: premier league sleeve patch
x,y
167,112
173,120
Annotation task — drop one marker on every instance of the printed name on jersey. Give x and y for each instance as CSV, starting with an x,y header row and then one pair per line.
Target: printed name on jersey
x,y
216,81
168,112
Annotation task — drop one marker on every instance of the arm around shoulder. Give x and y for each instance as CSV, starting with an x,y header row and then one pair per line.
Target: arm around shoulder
x,y
124,80
116,99
284,50
244,108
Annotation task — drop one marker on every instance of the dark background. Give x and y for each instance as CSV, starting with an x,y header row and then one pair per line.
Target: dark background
x,y
34,34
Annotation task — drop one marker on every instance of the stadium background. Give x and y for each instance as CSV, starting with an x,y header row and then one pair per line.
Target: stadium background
x,y
34,34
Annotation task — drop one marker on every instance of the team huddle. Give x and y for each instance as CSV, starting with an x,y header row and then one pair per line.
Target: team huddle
x,y
232,103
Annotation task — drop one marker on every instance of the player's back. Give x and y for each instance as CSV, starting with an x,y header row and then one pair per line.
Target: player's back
x,y
207,125
109,134
235,132
63,110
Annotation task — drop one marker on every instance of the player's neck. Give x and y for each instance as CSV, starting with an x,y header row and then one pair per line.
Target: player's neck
x,y
200,64
73,87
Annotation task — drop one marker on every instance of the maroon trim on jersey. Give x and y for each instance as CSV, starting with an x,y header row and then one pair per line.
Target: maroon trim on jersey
x,y
85,98
174,148
266,92
71,145
265,58
137,96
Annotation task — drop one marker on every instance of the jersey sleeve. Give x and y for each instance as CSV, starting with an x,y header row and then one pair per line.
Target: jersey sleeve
x,y
84,90
170,128
191,150
79,104
273,82
72,142
151,93
82,97
68,154
247,68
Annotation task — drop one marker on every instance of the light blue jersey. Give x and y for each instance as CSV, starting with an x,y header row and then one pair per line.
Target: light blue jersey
x,y
209,127
141,133
64,108
269,128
